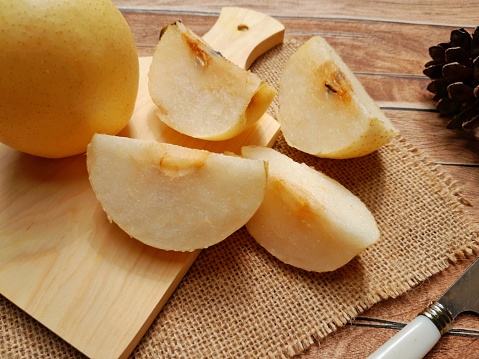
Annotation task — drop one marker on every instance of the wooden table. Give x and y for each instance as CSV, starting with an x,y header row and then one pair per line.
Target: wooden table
x,y
386,44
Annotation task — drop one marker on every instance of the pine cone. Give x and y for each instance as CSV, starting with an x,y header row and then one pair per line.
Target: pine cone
x,y
454,71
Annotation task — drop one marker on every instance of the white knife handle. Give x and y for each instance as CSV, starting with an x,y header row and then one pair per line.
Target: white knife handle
x,y
414,341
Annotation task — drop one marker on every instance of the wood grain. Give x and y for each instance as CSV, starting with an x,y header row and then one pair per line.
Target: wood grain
x,y
461,13
242,35
70,268
65,264
397,49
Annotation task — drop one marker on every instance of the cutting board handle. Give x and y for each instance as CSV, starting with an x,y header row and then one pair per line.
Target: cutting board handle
x,y
242,35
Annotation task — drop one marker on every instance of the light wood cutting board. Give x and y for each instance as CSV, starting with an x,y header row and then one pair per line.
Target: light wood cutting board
x,y
64,263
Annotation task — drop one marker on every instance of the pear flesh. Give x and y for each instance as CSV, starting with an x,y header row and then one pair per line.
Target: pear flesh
x,y
323,108
200,93
307,219
172,197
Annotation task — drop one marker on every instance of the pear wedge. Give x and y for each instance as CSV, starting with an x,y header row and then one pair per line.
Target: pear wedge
x,y
307,219
323,108
199,92
173,197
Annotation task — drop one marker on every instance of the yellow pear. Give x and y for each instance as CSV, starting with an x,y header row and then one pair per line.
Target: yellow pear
x,y
69,69
323,108
307,219
199,92
172,197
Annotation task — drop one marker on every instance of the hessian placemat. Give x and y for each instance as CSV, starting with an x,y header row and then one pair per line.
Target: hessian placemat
x,y
237,301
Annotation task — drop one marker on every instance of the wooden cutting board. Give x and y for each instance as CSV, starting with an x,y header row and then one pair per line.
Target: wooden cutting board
x,y
64,263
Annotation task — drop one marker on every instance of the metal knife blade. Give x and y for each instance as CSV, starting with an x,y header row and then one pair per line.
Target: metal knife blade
x,y
463,295
417,338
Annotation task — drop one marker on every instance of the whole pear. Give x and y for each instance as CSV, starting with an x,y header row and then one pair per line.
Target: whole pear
x,y
68,69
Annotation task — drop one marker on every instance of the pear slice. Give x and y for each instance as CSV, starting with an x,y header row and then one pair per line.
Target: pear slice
x,y
173,197
323,108
200,93
307,219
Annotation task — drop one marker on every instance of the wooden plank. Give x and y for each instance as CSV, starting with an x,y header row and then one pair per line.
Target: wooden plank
x,y
397,49
428,11
395,75
427,131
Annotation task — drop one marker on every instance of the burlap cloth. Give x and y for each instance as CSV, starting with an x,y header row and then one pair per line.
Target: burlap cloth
x,y
237,301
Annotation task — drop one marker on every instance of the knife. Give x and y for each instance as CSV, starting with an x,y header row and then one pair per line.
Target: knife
x,y
417,338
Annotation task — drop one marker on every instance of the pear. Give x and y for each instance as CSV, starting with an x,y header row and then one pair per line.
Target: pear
x,y
199,92
323,108
307,219
172,197
69,69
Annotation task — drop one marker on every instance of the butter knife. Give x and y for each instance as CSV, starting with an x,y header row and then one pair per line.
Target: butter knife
x,y
418,337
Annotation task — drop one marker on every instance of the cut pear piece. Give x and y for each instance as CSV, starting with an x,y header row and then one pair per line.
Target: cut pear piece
x,y
307,219
173,197
323,108
200,93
